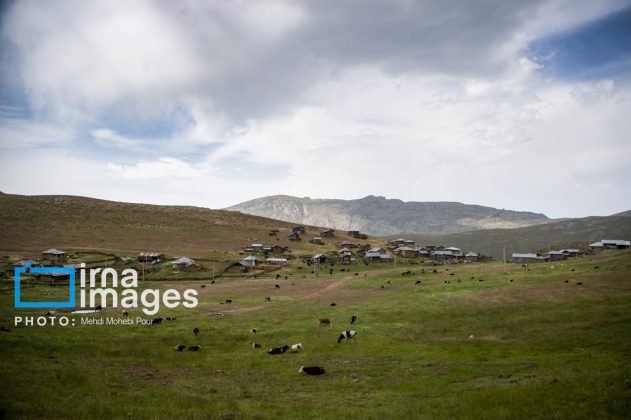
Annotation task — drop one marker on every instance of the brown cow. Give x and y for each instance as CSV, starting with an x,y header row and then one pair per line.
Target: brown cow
x,y
325,321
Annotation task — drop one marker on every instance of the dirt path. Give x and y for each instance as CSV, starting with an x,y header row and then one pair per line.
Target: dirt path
x,y
331,287
241,310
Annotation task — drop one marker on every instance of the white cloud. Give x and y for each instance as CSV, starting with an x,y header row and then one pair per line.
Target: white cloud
x,y
500,146
163,168
110,139
17,132
403,99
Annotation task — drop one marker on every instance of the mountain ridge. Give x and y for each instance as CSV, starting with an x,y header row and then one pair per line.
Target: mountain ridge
x,y
379,216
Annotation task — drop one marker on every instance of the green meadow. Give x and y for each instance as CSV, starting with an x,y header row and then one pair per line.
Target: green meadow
x,y
483,341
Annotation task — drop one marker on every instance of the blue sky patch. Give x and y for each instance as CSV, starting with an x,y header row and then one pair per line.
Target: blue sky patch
x,y
593,51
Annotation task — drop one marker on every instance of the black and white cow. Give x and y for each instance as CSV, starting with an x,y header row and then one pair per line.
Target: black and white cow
x,y
346,334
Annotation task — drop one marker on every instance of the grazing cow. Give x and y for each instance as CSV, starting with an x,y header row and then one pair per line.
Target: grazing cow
x,y
353,319
156,321
511,280
312,370
196,331
524,266
579,283
170,318
357,274
277,276
212,282
253,330
277,286
566,281
285,277
256,346
196,347
382,286
596,267
179,347
203,285
278,350
333,304
480,279
325,321
417,282
228,300
406,273
572,269
345,335
434,271
267,298
125,313
296,347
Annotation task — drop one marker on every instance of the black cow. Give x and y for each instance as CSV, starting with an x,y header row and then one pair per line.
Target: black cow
x,y
312,370
278,350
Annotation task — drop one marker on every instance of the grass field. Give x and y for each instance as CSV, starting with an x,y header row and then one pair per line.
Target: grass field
x,y
536,347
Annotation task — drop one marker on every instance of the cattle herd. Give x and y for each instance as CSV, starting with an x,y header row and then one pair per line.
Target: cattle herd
x,y
294,348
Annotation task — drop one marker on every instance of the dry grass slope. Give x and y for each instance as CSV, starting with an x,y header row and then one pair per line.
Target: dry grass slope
x,y
30,224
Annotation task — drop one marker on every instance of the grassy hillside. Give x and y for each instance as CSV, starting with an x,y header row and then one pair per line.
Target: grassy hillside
x,y
454,346
31,224
574,232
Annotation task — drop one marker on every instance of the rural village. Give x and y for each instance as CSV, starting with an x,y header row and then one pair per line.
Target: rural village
x,y
259,258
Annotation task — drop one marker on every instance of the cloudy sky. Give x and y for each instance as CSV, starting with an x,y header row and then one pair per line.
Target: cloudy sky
x,y
523,105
